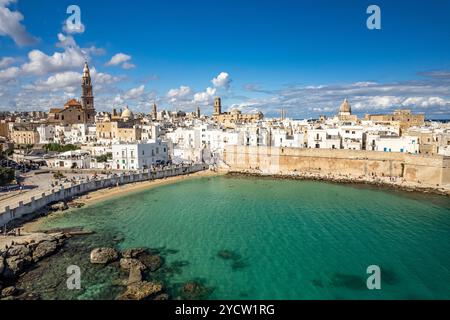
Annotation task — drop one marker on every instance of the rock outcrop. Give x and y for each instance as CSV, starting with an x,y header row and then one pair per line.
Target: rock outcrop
x,y
60,206
44,249
104,255
152,262
141,291
128,263
22,252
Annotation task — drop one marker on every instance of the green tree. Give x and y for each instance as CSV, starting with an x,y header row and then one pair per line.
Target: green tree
x,y
56,147
7,175
104,157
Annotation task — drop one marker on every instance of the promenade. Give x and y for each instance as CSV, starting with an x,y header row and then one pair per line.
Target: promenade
x,y
30,201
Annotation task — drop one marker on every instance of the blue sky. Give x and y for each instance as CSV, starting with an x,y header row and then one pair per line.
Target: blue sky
x,y
305,56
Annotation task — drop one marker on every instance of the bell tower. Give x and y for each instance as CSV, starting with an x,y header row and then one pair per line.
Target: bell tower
x,y
87,96
217,106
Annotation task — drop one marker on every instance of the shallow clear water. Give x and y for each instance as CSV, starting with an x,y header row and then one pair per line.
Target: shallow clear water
x,y
291,239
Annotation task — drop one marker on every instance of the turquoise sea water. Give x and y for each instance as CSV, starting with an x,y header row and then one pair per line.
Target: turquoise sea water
x,y
290,239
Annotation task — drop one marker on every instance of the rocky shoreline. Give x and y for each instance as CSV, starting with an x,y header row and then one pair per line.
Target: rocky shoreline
x,y
141,264
22,254
141,273
382,182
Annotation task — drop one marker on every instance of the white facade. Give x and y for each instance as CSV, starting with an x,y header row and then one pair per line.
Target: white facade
x,y
281,138
405,144
138,156
77,159
46,133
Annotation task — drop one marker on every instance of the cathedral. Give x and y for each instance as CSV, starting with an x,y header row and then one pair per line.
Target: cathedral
x,y
235,116
75,111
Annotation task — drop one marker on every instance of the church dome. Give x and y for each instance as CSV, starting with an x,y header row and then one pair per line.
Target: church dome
x,y
345,107
127,114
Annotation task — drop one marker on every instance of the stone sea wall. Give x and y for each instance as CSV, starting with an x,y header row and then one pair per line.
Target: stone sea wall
x,y
429,171
23,208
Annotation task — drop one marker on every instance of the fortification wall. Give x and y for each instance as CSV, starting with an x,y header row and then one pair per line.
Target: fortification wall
x,y
424,169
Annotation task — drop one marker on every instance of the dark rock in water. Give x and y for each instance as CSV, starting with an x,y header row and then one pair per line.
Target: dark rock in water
x,y
237,261
317,283
152,262
118,239
194,290
135,276
44,249
19,251
238,264
227,255
133,253
162,296
16,266
141,291
170,251
9,292
348,281
128,263
104,255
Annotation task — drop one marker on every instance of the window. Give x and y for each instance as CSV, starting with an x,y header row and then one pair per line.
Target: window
x,y
79,118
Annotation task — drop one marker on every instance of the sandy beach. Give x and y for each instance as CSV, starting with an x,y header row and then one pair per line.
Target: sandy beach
x,y
109,193
122,190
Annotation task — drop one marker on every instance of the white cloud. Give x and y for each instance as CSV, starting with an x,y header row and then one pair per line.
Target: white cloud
x,y
134,93
65,81
11,26
102,78
222,81
70,82
128,66
182,93
118,59
205,97
9,74
6,62
425,102
40,64
121,59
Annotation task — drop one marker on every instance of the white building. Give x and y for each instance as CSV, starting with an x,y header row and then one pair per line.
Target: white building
x,y
407,144
139,155
78,159
352,137
282,139
323,138
46,133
